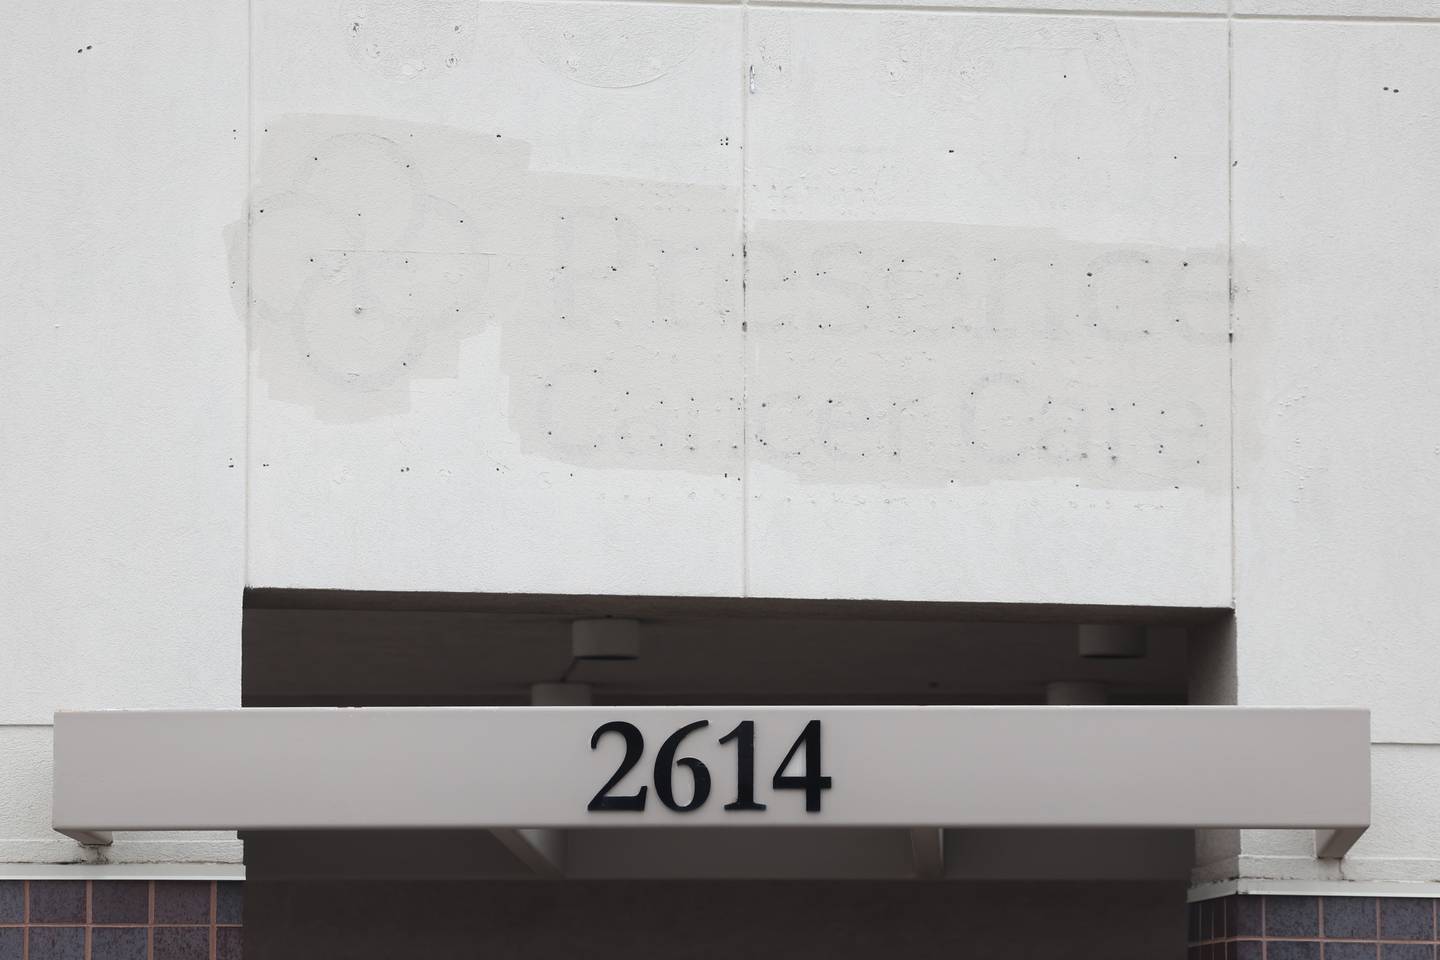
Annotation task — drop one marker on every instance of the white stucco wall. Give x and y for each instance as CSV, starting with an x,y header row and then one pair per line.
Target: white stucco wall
x,y
123,381
1337,458
665,298
782,299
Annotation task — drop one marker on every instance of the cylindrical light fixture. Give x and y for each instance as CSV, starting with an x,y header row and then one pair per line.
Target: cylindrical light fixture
x,y
1111,640
606,639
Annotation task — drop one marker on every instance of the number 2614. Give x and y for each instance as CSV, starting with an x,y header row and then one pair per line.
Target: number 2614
x,y
743,736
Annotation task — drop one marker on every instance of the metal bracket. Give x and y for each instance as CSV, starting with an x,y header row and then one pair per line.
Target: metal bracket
x,y
1333,844
543,851
90,838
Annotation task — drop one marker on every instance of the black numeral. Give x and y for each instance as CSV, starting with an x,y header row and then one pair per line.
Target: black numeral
x,y
812,782
744,734
634,747
665,764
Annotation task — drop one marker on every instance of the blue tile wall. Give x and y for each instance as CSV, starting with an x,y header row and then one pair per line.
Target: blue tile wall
x,y
120,920
1255,927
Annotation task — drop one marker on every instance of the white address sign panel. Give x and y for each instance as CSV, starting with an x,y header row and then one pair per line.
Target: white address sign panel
x,y
496,767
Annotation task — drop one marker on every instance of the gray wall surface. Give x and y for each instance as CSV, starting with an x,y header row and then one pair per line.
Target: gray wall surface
x,y
794,920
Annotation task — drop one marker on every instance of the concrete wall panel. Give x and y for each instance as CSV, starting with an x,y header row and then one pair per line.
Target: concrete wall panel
x,y
122,372
497,305
1336,238
1358,9
1336,206
988,351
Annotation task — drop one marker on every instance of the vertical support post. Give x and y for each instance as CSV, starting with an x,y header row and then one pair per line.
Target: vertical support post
x,y
927,848
1060,693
